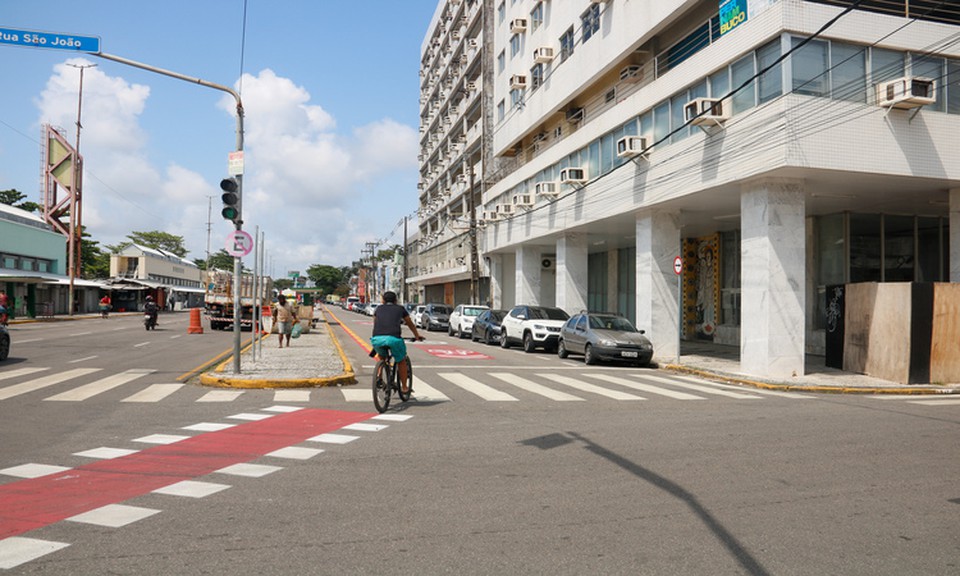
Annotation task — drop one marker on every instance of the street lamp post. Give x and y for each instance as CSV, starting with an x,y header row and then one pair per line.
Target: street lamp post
x,y
76,223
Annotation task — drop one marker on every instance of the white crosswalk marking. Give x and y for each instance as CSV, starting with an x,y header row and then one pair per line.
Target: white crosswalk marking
x,y
699,387
646,387
154,393
478,388
424,392
592,388
540,389
220,396
102,385
291,396
937,402
43,382
760,391
19,372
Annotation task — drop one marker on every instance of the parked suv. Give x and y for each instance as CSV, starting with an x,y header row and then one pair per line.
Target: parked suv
x,y
461,320
435,317
533,327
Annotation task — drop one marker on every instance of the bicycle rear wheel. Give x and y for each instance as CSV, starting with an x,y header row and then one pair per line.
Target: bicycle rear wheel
x,y
404,396
381,386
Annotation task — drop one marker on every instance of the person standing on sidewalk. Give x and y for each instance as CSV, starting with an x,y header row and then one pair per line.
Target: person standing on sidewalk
x,y
284,317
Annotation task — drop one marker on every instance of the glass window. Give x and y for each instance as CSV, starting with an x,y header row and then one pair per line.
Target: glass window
x,y
771,81
501,62
501,111
501,12
536,76
730,278
590,21
848,77
566,44
742,71
953,86
514,45
627,283
885,65
928,250
515,97
646,124
864,248
593,158
597,281
676,117
720,83
536,16
930,67
898,248
608,153
661,121
810,64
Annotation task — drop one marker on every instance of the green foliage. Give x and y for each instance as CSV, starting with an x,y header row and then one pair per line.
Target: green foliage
x,y
282,284
326,278
14,197
160,240
94,262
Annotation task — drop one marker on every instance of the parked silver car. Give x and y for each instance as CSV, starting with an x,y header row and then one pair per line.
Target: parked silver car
x,y
435,317
604,336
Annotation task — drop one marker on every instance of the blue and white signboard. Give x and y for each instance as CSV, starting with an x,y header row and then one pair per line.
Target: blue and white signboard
x,y
735,12
55,40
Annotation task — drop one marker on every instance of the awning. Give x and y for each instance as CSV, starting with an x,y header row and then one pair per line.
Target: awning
x,y
24,276
186,289
60,281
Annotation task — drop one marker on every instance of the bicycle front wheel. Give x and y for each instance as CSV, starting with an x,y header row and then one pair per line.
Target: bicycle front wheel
x,y
381,386
404,396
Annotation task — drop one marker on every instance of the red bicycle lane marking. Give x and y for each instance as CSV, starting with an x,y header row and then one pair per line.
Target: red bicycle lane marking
x,y
452,352
37,502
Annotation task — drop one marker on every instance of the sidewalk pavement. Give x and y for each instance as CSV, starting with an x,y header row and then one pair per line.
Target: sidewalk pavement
x,y
317,359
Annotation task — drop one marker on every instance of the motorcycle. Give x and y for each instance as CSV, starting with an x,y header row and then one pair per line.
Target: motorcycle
x,y
150,320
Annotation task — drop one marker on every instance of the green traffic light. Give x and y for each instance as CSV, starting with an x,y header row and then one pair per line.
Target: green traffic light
x,y
230,213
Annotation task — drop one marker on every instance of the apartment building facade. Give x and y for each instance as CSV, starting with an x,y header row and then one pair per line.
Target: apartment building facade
x,y
709,168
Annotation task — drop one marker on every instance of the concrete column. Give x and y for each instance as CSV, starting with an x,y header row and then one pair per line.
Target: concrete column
x,y
528,275
773,260
496,281
954,243
658,243
613,278
572,273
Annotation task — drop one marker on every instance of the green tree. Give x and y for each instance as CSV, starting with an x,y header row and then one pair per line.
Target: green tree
x,y
12,196
282,284
160,240
326,278
94,262
221,260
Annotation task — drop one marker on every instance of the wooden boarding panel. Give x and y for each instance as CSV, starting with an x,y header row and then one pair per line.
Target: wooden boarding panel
x,y
945,349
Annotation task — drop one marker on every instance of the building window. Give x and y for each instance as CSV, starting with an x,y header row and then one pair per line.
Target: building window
x,y
516,97
848,76
501,12
514,45
590,21
536,16
597,281
730,278
501,62
627,284
865,247
742,71
566,44
810,64
536,76
501,111
930,67
771,81
885,65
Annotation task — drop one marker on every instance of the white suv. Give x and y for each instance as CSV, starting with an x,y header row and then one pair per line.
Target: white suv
x,y
461,321
533,327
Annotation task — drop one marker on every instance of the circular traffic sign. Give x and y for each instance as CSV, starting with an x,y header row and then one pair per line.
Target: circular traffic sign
x,y
239,243
678,265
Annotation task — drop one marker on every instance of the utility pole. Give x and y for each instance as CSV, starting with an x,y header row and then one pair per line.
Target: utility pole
x,y
405,252
76,222
474,256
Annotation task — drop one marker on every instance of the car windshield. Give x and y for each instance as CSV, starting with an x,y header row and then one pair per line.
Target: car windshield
x,y
547,314
497,315
617,323
439,310
471,311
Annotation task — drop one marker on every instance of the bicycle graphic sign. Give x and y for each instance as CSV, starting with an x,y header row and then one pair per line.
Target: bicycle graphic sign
x,y
453,353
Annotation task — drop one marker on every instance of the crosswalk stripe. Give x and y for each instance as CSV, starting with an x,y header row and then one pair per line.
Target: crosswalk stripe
x,y
540,389
20,372
102,385
153,393
760,391
425,392
646,387
220,396
592,388
700,388
478,388
937,402
43,382
291,396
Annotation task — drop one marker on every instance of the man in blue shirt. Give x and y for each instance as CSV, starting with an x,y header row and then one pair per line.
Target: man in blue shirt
x,y
387,321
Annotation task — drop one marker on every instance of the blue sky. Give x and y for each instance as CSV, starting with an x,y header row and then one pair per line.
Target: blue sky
x,y
331,127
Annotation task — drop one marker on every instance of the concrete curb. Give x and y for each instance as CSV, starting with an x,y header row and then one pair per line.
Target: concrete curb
x,y
347,377
821,389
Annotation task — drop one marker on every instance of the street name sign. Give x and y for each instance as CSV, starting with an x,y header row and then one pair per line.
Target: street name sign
x,y
55,40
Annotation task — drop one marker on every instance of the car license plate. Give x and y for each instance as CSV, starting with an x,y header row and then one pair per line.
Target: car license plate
x,y
629,354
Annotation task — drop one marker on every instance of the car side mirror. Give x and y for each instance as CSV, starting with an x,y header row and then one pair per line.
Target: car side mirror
x,y
521,316
642,331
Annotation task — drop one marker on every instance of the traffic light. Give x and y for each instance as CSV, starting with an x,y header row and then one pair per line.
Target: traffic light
x,y
231,199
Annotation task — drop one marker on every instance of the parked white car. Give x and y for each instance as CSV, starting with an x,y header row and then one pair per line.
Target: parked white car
x,y
417,314
533,327
461,320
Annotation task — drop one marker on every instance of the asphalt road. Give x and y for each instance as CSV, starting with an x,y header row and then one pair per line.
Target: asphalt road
x,y
507,463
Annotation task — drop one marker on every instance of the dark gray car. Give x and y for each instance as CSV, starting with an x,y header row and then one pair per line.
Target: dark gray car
x,y
435,317
603,336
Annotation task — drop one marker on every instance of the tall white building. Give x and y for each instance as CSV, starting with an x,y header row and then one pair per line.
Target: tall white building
x,y
770,148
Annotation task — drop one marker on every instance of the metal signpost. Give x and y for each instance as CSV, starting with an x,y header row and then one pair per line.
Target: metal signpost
x,y
678,270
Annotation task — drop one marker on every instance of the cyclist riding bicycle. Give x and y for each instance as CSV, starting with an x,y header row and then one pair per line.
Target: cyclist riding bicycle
x,y
387,320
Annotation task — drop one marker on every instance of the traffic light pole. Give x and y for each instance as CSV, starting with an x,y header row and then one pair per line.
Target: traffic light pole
x,y
237,266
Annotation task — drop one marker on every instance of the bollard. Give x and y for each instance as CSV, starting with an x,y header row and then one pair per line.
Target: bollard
x,y
195,326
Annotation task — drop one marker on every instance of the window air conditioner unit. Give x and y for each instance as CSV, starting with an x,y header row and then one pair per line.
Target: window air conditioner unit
x,y
546,189
462,178
631,74
705,111
573,176
518,81
472,86
517,26
543,55
907,92
525,200
506,209
630,146
490,216
574,115
473,43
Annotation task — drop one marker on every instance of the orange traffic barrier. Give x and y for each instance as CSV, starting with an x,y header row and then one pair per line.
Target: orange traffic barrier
x,y
195,326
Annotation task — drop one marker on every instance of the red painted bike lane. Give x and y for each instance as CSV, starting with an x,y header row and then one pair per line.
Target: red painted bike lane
x,y
30,504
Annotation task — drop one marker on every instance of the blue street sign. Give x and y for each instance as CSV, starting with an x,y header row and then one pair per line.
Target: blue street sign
x,y
53,40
